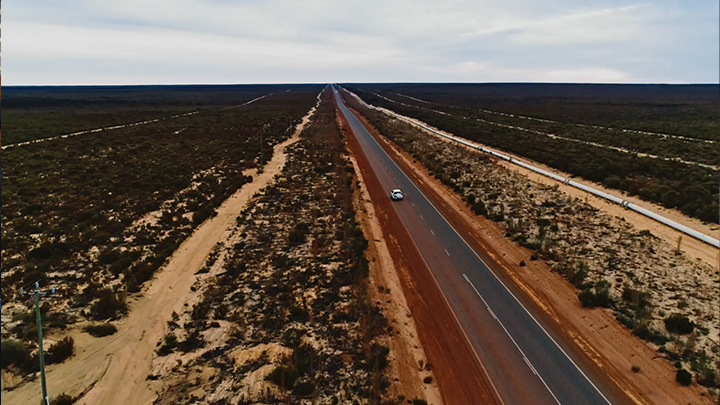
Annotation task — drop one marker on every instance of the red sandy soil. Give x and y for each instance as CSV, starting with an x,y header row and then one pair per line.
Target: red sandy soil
x,y
594,334
459,377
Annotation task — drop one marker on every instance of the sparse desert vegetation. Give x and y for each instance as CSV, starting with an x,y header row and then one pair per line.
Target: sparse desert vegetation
x,y
97,215
691,189
657,292
284,312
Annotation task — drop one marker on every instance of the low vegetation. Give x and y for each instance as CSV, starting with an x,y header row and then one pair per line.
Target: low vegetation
x,y
691,189
100,330
97,215
661,295
287,295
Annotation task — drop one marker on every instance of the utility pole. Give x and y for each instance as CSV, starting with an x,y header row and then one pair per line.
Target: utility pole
x,y
37,293
261,164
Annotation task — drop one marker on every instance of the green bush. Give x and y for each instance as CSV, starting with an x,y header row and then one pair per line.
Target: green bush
x,y
100,330
637,299
427,380
678,323
708,378
14,352
283,376
683,377
479,208
63,399
651,335
596,296
418,401
378,357
170,342
60,351
304,388
108,305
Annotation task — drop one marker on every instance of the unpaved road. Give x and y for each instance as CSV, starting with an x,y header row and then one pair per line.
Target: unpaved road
x,y
113,370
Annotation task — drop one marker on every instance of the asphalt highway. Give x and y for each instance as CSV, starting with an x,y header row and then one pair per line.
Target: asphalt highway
x,y
522,361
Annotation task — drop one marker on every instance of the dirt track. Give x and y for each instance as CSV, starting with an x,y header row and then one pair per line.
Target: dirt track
x,y
113,370
597,336
459,377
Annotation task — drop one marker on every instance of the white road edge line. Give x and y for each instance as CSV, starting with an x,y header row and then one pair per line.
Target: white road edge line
x,y
501,282
422,217
457,321
529,364
446,252
431,231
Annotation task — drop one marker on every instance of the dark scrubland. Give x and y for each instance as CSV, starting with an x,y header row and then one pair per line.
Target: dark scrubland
x,y
692,189
287,316
686,110
35,112
96,215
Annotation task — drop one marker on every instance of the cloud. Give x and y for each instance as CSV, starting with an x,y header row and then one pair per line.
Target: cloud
x,y
223,41
585,75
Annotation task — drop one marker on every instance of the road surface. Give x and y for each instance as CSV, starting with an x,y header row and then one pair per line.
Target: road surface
x,y
523,362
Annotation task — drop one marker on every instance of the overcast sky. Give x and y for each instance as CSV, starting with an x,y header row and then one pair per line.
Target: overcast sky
x,y
271,41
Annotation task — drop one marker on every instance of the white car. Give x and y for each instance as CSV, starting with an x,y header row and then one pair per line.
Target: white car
x,y
396,194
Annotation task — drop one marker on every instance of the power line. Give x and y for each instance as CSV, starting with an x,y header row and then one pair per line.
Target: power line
x,y
41,356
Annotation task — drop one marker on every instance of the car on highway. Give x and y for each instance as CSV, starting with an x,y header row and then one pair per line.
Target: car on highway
x,y
396,194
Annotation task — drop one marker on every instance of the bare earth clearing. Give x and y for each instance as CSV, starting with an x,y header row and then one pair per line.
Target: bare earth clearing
x,y
113,370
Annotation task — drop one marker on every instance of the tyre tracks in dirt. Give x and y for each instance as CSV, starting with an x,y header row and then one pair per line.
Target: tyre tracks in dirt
x,y
115,369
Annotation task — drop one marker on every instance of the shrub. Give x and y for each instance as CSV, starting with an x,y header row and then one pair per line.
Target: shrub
x,y
479,208
100,330
578,277
427,380
522,263
283,376
169,344
651,335
635,369
534,256
708,378
683,377
108,305
193,341
304,388
62,399
680,324
637,299
13,352
60,351
418,401
378,357
596,296
471,199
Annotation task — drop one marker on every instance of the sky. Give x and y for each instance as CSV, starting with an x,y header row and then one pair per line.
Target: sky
x,y
85,42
